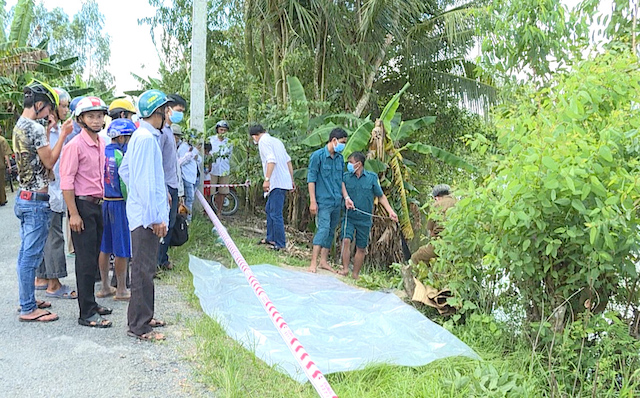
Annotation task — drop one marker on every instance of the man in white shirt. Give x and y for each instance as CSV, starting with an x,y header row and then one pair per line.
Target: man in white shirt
x,y
221,150
188,159
147,212
278,180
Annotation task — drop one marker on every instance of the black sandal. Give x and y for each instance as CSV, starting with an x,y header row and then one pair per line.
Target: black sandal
x,y
103,310
95,321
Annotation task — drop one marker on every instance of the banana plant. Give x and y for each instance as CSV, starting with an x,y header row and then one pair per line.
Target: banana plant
x,y
381,140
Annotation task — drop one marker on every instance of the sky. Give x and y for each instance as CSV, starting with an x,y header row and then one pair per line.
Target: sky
x,y
131,47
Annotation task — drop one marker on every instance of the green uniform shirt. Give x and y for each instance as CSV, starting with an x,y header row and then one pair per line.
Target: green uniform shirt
x,y
362,190
326,172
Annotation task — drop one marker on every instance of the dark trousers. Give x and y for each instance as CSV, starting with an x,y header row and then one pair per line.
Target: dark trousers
x,y
87,246
144,245
275,220
54,265
163,258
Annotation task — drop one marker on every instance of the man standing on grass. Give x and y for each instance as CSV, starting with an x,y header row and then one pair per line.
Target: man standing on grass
x,y
81,180
362,187
221,150
326,190
34,158
147,212
278,180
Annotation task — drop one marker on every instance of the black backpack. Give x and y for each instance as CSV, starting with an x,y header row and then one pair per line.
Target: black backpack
x,y
180,232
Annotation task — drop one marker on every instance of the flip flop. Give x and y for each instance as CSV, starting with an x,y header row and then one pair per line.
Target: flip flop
x,y
95,321
151,336
157,323
40,318
40,303
100,294
103,310
64,292
122,298
265,242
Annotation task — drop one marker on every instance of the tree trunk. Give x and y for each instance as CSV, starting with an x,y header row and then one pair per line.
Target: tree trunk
x,y
364,100
248,39
265,65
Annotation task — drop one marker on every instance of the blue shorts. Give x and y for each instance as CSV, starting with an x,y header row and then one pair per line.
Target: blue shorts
x,y
116,237
361,229
327,220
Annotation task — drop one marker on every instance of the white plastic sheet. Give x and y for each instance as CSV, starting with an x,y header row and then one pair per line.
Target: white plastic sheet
x,y
342,328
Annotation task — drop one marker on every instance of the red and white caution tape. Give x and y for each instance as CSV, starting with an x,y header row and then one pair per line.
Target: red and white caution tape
x,y
310,369
246,184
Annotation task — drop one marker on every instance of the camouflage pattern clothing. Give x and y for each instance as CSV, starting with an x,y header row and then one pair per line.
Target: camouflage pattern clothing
x,y
426,253
28,137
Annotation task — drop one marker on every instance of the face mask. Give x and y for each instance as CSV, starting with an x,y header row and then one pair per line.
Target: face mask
x,y
42,122
339,147
351,168
255,142
176,116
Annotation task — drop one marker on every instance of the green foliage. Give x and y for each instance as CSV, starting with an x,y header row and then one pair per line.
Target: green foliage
x,y
557,204
21,22
532,37
81,36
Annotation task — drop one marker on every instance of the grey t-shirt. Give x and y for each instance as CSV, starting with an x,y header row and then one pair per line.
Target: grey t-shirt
x,y
28,137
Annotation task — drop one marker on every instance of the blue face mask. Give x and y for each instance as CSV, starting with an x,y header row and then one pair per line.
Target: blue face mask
x,y
351,168
176,116
339,147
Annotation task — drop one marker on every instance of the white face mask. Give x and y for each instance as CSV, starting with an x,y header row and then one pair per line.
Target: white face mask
x,y
255,142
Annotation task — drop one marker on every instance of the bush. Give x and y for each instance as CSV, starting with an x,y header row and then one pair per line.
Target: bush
x,y
550,230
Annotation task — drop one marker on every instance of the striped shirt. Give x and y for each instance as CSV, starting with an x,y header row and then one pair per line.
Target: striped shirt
x,y
272,151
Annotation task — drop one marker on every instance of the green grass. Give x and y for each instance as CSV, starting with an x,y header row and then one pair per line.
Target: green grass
x,y
230,370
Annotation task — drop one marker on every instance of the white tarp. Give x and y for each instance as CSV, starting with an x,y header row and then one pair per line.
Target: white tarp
x,y
342,328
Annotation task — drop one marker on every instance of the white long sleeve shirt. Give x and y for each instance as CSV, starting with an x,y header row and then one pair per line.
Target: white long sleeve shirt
x,y
142,172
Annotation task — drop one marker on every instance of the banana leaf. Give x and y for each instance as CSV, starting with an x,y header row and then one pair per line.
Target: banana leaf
x,y
298,99
440,154
21,23
389,111
319,136
409,127
359,140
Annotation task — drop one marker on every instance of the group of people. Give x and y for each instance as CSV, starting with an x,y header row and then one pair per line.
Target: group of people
x,y
332,189
119,187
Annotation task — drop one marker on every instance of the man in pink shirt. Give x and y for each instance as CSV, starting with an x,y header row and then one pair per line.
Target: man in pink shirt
x,y
81,180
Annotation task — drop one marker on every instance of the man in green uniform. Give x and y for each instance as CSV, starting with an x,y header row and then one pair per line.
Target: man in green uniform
x,y
5,152
443,202
362,186
326,190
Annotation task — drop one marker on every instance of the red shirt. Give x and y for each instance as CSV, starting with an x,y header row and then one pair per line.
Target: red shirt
x,y
82,166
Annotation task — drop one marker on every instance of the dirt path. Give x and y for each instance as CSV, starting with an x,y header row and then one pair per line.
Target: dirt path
x,y
63,359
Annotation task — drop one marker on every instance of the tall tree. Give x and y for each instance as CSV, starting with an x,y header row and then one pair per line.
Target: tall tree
x,y
82,36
